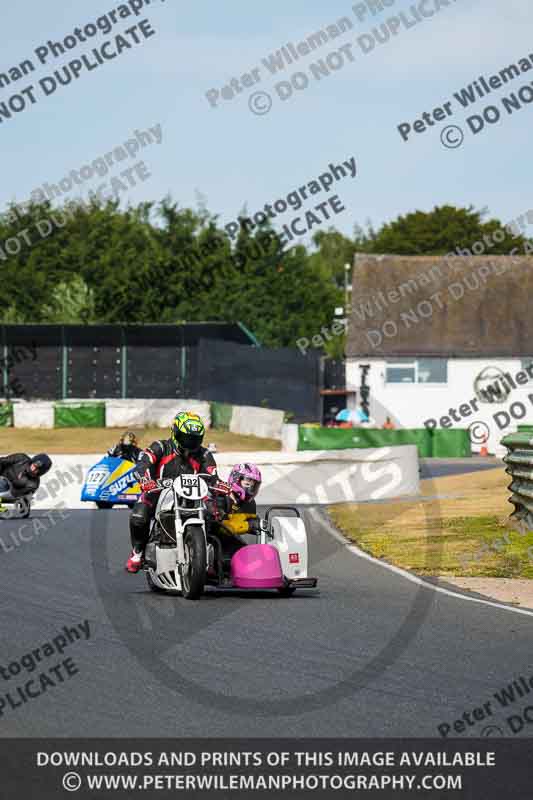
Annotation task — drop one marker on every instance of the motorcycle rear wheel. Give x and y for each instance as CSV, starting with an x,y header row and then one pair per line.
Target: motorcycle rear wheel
x,y
23,508
193,574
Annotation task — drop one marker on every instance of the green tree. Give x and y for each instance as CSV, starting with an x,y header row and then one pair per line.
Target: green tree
x,y
334,251
438,232
72,302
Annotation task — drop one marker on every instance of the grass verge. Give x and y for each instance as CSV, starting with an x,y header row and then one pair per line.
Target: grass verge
x,y
470,523
98,440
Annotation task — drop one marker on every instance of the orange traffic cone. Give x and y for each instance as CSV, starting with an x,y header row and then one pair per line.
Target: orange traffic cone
x,y
483,450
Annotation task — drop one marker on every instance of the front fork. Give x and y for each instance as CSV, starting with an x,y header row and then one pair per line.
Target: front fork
x,y
180,532
180,547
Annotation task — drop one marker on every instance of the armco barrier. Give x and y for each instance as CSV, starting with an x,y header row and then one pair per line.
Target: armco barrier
x,y
82,415
519,460
430,442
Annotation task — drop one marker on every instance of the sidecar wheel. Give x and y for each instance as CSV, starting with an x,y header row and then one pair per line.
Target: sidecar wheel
x,y
193,573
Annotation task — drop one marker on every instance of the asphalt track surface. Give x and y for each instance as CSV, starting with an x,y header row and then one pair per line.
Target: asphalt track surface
x,y
442,467
369,653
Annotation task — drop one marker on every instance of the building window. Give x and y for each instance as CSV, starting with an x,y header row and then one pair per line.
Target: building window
x,y
401,371
423,370
432,370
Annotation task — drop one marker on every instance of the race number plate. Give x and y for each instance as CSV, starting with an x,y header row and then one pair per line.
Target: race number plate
x,y
191,487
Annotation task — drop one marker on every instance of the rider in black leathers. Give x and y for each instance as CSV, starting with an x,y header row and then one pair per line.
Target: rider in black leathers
x,y
126,448
181,454
20,474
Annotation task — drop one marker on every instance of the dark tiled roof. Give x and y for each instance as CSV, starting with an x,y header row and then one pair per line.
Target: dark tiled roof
x,y
434,306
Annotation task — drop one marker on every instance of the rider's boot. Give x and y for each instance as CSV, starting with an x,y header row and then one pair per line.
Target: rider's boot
x,y
134,562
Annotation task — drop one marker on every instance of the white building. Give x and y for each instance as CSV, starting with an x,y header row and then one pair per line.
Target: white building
x,y
449,342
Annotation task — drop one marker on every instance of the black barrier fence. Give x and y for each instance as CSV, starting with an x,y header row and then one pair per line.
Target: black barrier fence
x,y
211,361
281,378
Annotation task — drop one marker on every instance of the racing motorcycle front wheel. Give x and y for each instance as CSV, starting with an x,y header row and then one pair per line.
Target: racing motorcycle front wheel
x,y
22,508
193,571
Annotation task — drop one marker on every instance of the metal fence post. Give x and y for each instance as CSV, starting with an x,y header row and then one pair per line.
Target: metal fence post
x,y
64,365
183,375
5,373
124,365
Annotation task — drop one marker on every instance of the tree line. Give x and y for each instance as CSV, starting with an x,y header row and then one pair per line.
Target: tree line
x,y
93,262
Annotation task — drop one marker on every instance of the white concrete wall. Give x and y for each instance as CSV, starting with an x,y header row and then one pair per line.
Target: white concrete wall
x,y
251,421
161,412
33,415
129,413
410,405
289,437
123,414
310,477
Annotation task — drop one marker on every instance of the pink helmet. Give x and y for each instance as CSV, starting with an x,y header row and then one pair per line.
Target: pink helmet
x,y
250,476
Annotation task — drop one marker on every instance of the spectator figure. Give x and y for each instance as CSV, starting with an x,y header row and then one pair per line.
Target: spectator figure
x,y
388,425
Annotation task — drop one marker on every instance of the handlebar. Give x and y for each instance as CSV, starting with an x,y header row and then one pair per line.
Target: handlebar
x,y
167,483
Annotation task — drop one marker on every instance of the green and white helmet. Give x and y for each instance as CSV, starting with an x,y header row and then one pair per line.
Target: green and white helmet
x,y
187,432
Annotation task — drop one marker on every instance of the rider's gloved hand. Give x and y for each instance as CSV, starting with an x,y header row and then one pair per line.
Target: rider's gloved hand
x,y
221,488
254,525
147,484
238,493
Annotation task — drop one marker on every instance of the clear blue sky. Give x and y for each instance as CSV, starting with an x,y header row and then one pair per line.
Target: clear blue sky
x,y
228,156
